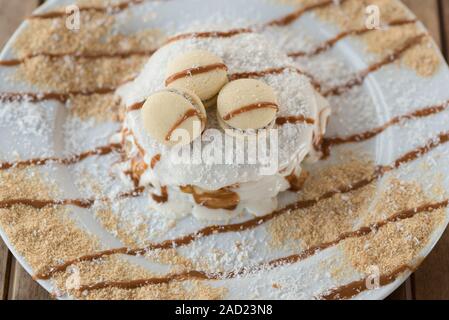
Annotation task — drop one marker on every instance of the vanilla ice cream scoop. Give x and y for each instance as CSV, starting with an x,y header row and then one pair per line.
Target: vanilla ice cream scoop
x,y
247,104
200,72
173,116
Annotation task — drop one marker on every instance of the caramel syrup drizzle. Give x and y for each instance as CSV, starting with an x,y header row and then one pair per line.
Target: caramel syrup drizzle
x,y
113,8
44,96
155,160
274,71
81,203
163,197
251,107
328,143
328,44
104,150
78,55
280,121
413,155
245,75
195,71
354,288
138,168
341,292
283,21
210,34
63,97
389,59
100,151
292,17
357,80
187,115
136,106
224,198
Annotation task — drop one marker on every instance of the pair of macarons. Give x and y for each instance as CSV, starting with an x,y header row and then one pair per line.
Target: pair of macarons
x,y
198,80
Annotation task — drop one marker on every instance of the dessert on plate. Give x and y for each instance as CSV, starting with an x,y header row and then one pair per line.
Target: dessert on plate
x,y
212,79
207,139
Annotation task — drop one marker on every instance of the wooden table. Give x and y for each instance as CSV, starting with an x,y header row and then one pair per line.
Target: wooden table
x,y
431,281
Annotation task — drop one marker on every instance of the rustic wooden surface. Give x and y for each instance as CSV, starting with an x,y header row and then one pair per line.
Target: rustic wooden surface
x,y
15,282
431,281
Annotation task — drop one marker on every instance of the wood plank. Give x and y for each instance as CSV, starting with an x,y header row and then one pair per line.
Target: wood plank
x,y
404,292
23,287
431,280
5,267
444,7
427,12
12,14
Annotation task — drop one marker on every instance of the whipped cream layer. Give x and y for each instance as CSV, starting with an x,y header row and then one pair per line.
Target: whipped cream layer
x,y
257,190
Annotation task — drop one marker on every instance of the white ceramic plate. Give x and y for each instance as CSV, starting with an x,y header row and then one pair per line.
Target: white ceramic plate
x,y
386,89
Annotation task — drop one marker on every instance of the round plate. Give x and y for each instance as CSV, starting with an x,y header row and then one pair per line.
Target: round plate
x,y
391,91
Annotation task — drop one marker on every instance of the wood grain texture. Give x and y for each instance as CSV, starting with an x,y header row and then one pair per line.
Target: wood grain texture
x,y
427,12
5,267
431,280
12,14
444,15
404,292
23,287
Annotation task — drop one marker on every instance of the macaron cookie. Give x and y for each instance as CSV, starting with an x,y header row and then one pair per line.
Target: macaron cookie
x,y
247,105
169,113
198,71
